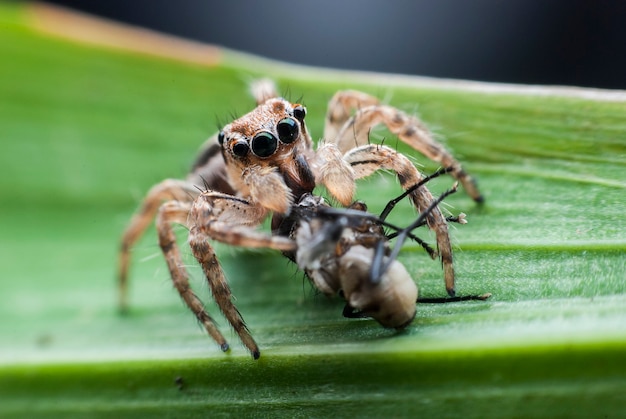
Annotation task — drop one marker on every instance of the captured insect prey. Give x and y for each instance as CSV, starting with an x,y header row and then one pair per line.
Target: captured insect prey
x,y
265,165
347,252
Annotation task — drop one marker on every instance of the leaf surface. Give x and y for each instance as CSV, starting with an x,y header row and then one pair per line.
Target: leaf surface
x,y
86,131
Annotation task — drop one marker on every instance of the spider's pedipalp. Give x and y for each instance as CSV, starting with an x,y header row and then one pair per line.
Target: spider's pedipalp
x,y
334,173
267,187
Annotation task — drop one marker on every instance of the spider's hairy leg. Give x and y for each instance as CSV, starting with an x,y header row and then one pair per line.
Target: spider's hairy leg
x,y
334,173
177,212
169,189
340,109
410,130
367,159
230,220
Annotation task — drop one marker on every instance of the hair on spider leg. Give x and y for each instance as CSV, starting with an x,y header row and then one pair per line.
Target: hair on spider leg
x,y
352,125
201,190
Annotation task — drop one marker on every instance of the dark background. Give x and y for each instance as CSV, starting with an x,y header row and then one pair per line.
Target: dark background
x,y
563,42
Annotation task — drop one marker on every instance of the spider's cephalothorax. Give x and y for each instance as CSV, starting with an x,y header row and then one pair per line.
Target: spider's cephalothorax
x,y
263,163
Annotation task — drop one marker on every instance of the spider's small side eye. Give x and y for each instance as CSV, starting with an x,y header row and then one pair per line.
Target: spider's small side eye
x,y
220,137
264,144
240,148
299,112
287,130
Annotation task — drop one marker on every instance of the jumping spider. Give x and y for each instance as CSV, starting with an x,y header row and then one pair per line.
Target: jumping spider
x,y
263,163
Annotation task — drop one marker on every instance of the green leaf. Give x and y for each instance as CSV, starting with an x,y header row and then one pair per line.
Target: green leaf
x,y
86,131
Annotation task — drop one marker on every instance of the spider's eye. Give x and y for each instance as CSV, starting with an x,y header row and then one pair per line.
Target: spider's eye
x,y
287,130
220,137
299,112
240,148
264,144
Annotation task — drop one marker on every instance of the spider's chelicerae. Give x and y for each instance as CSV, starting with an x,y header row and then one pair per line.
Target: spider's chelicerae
x,y
262,164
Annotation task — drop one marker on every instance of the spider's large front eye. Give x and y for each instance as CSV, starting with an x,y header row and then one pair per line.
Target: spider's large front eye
x,y
240,148
264,144
287,130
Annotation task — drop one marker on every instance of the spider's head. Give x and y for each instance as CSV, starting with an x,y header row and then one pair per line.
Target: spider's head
x,y
265,136
272,139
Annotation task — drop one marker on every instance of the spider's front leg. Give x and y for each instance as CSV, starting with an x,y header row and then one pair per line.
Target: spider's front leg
x,y
230,220
176,212
355,130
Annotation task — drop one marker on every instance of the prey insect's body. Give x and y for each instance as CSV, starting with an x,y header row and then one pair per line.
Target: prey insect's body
x,y
263,164
346,252
336,249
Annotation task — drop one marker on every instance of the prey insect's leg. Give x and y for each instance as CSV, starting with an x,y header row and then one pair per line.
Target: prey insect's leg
x,y
367,159
177,212
423,218
228,219
392,203
443,300
170,189
412,131
405,233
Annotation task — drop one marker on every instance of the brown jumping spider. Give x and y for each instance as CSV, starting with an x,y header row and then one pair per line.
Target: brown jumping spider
x,y
263,163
